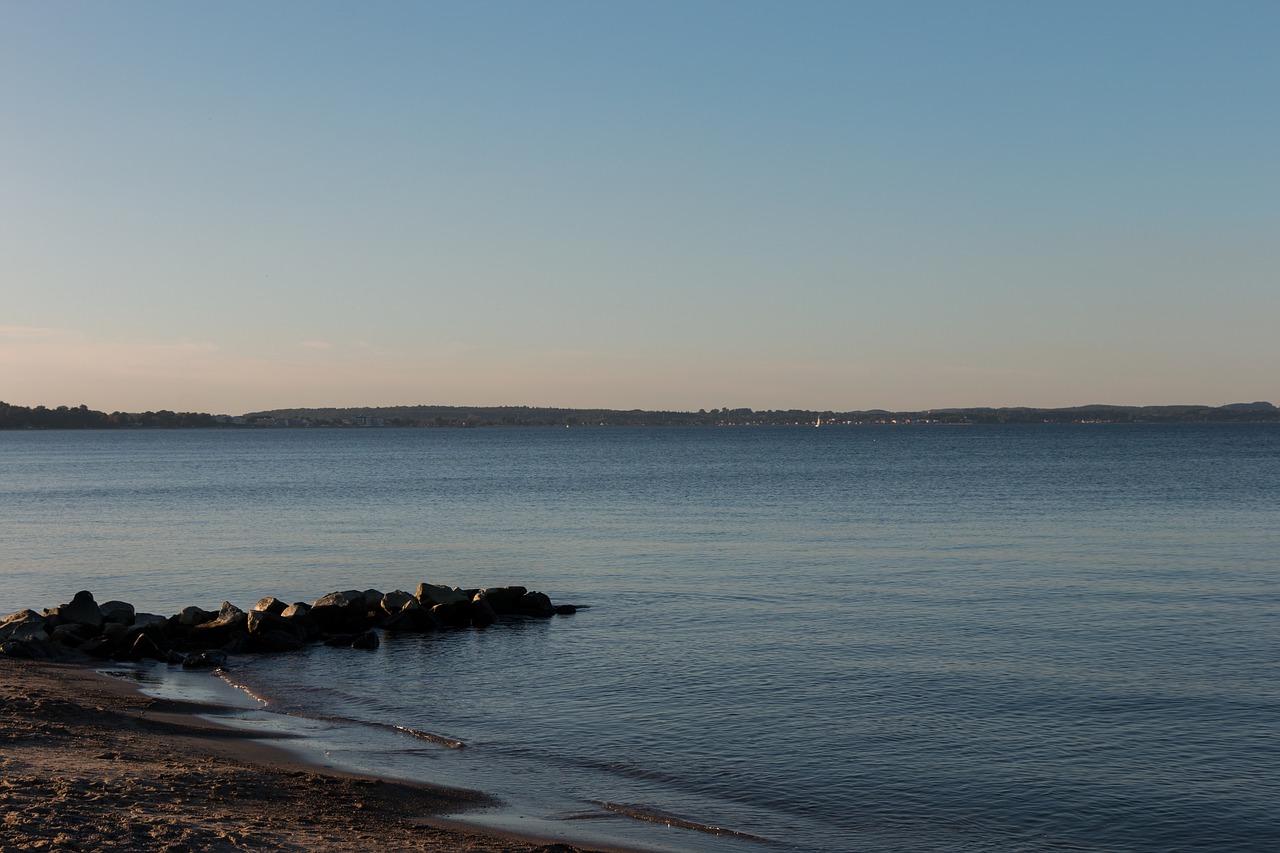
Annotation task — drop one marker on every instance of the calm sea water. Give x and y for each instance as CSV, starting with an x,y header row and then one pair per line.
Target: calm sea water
x,y
847,639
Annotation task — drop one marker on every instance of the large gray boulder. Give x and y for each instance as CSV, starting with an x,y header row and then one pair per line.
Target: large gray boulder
x,y
149,621
117,611
302,620
21,616
114,630
270,605
393,602
19,649
504,600
71,634
413,618
536,604
24,621
219,631
82,609
191,616
153,626
261,622
32,631
344,599
430,594
482,615
455,615
341,612
101,648
37,649
229,611
108,642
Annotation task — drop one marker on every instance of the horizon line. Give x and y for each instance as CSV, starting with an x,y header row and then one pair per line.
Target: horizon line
x,y
1259,403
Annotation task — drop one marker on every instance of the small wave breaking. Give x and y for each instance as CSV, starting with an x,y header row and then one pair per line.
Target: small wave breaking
x,y
656,816
441,740
438,740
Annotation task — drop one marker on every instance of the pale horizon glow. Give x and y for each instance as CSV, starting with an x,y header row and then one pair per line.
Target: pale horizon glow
x,y
235,207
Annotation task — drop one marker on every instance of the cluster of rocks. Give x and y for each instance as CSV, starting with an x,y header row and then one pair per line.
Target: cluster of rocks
x,y
198,638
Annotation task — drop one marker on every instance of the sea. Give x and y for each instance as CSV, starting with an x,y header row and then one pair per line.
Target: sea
x,y
849,638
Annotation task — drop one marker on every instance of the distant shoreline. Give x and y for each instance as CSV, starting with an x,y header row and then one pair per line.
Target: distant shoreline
x,y
431,417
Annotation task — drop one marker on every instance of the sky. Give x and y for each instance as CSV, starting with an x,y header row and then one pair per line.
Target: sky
x,y
236,206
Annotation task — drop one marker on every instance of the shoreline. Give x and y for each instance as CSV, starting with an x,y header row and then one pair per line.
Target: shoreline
x,y
91,762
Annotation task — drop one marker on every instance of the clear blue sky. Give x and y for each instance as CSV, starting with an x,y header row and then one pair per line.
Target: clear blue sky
x,y
241,205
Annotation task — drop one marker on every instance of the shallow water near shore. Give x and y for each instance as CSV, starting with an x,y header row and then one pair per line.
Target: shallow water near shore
x,y
845,639
395,752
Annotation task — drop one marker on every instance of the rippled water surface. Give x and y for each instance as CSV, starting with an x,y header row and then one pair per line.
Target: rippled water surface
x,y
846,639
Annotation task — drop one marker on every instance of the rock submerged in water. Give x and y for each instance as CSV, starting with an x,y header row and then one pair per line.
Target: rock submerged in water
x,y
363,640
210,659
202,639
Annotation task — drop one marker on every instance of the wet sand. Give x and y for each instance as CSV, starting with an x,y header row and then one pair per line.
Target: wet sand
x,y
89,763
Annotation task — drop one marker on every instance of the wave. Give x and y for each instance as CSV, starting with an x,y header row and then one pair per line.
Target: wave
x,y
243,688
656,816
439,740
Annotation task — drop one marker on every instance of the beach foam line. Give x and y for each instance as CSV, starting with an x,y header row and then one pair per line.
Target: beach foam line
x,y
449,742
656,816
226,676
439,740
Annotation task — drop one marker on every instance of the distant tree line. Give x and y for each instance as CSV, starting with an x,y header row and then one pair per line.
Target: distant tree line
x,y
82,417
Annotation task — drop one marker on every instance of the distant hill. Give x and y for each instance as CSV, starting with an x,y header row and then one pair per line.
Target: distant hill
x,y
82,417
475,416
1260,406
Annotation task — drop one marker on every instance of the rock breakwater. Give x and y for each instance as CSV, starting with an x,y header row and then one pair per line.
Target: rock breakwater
x,y
198,638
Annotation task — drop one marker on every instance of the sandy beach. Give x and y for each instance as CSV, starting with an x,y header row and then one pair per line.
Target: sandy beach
x,y
89,763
